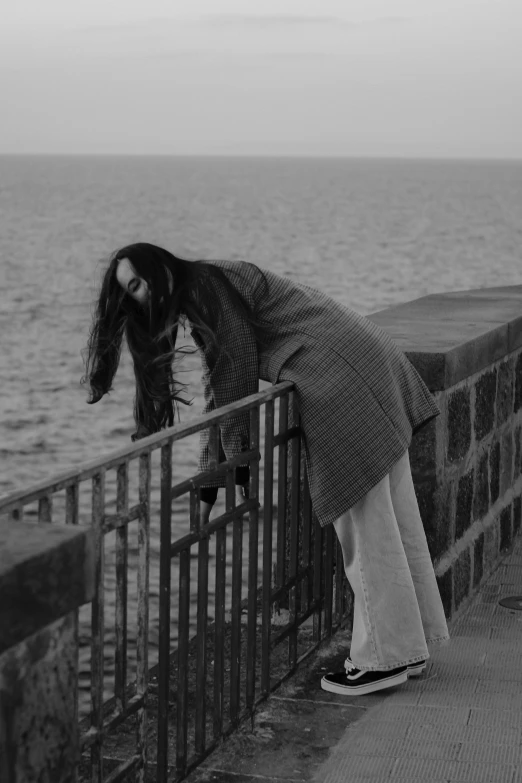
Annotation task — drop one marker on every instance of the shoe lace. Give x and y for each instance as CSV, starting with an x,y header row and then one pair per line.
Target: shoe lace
x,y
349,666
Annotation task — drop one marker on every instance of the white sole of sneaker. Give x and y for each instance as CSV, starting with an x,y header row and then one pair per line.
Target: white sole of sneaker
x,y
361,690
416,669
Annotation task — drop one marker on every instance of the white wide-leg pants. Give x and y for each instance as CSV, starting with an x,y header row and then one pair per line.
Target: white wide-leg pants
x,y
397,604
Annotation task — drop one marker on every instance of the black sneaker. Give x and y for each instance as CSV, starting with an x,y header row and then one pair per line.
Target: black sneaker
x,y
355,682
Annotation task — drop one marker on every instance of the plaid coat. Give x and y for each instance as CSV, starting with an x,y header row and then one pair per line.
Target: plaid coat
x,y
360,398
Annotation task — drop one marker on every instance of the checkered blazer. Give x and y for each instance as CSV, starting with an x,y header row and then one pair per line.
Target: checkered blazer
x,y
376,397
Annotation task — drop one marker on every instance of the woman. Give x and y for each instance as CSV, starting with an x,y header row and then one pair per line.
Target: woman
x,y
360,401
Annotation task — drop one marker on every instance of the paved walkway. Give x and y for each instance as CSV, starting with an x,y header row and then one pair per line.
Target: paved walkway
x,y
462,720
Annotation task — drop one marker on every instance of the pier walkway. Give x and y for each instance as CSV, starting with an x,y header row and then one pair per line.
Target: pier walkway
x,y
460,722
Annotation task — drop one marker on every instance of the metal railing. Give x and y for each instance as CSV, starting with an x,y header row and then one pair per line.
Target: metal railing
x,y
164,720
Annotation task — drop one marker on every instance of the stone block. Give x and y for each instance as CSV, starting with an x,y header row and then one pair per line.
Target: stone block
x,y
491,538
485,398
462,577
518,384
38,713
46,571
506,535
422,452
517,515
494,471
517,467
433,507
506,463
481,491
505,391
459,424
463,518
445,585
478,560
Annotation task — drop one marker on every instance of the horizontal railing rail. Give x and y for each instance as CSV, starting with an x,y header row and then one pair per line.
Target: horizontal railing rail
x,y
279,578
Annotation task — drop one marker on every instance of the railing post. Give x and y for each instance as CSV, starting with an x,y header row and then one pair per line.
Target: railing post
x,y
97,624
142,636
164,612
267,548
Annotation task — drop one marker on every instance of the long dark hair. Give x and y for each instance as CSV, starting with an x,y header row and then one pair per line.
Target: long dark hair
x,y
151,328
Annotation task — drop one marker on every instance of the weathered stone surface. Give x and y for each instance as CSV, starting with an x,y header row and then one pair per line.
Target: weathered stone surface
x,y
494,472
517,467
505,529
38,696
517,403
423,452
517,515
451,336
478,559
485,398
462,577
463,518
505,391
506,463
481,493
431,502
459,424
46,571
491,539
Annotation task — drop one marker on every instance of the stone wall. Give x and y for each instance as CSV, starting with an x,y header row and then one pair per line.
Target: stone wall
x,y
46,573
466,464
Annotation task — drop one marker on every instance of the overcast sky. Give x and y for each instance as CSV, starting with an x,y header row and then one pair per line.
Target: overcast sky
x,y
414,78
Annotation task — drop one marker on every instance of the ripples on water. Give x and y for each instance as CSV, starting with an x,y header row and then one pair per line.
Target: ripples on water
x,y
369,233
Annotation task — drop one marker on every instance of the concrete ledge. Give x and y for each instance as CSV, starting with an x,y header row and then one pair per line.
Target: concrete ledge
x,y
448,337
46,571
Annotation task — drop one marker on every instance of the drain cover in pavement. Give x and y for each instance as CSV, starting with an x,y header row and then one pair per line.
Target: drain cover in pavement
x,y
513,602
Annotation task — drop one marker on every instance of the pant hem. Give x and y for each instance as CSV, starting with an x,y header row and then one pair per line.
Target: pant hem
x,y
389,667
438,639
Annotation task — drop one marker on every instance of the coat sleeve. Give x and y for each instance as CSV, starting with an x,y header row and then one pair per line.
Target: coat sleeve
x,y
225,381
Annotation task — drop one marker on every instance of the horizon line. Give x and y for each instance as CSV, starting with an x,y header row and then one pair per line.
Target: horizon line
x,y
259,155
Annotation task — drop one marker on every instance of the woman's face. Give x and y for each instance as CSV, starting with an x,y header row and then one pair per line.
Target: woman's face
x,y
131,283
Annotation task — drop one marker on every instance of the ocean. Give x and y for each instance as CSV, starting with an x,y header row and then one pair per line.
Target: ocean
x,y
370,233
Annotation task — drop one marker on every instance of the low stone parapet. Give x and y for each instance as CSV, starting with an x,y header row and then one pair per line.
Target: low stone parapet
x,y
46,573
466,464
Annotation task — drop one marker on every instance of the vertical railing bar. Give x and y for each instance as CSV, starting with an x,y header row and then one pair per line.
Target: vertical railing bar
x,y
282,493
267,547
318,552
120,653
72,504
328,580
294,533
195,509
201,646
45,508
306,586
219,630
183,651
164,612
142,636
219,626
235,635
97,625
253,546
